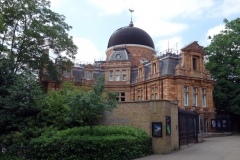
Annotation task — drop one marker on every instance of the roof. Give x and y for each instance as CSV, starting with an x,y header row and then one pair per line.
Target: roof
x,y
168,67
119,55
130,35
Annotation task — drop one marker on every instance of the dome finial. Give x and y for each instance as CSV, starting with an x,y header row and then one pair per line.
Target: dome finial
x,y
131,23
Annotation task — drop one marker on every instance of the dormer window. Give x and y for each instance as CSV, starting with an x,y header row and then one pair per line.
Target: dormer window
x,y
88,75
67,73
140,73
195,63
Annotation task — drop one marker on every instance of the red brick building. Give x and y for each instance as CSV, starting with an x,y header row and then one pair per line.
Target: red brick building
x,y
134,70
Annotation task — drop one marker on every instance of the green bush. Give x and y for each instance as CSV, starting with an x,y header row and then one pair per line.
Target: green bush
x,y
103,142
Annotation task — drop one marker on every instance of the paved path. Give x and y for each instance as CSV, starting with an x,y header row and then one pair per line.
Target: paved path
x,y
216,148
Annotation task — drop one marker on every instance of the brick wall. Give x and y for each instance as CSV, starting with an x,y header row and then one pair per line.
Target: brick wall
x,y
141,114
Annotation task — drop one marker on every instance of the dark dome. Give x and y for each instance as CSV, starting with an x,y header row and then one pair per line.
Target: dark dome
x,y
130,35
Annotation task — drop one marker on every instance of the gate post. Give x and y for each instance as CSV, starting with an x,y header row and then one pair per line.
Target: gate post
x,y
200,135
200,124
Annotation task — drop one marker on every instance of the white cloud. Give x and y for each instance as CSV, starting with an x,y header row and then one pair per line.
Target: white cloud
x,y
57,3
225,8
110,6
174,43
165,9
168,9
213,31
87,52
160,28
156,16
230,7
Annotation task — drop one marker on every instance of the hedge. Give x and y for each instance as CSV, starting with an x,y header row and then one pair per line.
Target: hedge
x,y
103,142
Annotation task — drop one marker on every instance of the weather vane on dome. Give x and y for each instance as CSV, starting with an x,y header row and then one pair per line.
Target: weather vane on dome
x,y
131,23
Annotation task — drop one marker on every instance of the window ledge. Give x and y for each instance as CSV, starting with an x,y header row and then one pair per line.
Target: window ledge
x,y
197,108
187,108
205,108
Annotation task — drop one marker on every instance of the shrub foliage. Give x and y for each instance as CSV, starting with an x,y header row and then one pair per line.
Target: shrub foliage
x,y
102,142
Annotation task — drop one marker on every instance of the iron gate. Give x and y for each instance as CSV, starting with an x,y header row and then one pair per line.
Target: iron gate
x,y
188,127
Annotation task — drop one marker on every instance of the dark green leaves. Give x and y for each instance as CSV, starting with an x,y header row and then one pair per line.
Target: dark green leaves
x,y
18,93
31,28
91,104
103,142
75,106
223,61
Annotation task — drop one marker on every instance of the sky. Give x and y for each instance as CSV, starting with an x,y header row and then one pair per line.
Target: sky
x,y
170,23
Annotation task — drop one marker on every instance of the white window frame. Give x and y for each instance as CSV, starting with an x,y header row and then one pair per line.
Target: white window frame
x,y
195,96
185,100
124,75
204,97
117,75
110,75
89,75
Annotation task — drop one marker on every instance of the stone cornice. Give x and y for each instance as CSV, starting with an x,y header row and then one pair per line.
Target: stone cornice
x,y
193,47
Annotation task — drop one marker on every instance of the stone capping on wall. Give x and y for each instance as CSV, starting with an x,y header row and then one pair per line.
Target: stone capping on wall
x,y
141,114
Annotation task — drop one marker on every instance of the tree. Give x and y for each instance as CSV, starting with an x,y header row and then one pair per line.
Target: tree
x,y
54,110
31,28
18,94
75,106
1,24
27,29
223,61
90,106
